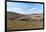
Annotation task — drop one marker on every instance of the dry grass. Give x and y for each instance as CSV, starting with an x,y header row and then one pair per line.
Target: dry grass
x,y
14,25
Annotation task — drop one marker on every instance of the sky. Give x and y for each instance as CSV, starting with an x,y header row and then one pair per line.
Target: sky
x,y
24,8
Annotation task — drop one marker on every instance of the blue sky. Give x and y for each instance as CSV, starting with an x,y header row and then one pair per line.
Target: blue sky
x,y
24,8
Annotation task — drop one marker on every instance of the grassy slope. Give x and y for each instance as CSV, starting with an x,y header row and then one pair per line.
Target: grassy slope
x,y
15,24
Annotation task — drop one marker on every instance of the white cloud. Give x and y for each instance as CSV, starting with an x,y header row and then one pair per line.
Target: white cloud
x,y
35,10
22,10
17,10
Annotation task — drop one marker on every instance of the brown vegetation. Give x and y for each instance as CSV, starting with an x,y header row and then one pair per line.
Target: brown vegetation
x,y
17,21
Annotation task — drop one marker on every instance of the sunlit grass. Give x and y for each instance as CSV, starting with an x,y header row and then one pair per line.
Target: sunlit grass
x,y
14,24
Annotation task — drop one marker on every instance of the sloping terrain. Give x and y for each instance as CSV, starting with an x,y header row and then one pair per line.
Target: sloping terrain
x,y
13,15
17,21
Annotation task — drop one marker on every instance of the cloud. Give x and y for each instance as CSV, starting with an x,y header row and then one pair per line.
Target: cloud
x,y
17,10
35,10
22,10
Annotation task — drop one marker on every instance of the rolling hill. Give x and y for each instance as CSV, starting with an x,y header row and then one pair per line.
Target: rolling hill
x,y
17,21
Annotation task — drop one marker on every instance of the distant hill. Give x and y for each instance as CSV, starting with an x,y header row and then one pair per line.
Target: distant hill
x,y
14,15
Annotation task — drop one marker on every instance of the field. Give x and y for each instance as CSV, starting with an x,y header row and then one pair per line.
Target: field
x,y
15,22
